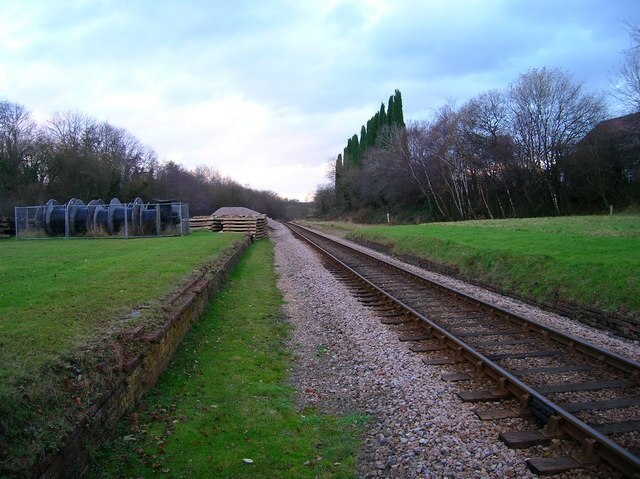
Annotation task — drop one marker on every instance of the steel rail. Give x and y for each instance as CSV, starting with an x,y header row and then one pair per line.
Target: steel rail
x,y
560,422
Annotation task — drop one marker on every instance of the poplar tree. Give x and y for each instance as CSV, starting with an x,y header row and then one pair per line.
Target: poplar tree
x,y
355,155
338,179
369,132
383,115
376,126
397,110
391,112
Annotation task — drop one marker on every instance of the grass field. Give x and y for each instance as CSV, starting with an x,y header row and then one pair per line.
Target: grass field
x,y
58,295
224,399
594,260
54,294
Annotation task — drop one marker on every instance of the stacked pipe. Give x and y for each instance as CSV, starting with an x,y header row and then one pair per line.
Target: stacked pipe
x,y
75,218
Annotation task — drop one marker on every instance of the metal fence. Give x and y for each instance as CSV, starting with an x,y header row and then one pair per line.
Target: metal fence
x,y
96,219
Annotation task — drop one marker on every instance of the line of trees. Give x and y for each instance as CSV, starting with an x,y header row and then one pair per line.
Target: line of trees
x,y
73,155
524,151
539,147
503,153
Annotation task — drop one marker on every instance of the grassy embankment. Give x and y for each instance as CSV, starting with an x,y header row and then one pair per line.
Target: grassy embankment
x,y
593,260
59,298
224,399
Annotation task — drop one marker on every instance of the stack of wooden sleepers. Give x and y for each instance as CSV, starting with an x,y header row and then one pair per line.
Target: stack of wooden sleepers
x,y
255,226
7,227
233,219
201,223
239,219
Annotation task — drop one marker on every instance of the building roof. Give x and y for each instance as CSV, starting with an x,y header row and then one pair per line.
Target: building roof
x,y
235,211
622,124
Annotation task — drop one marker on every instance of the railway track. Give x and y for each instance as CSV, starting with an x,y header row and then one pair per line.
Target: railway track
x,y
572,389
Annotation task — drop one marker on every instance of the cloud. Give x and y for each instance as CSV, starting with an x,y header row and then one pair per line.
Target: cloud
x,y
268,92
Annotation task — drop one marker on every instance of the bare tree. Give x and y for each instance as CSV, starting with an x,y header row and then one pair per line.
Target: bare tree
x,y
451,163
488,147
74,155
324,199
421,166
549,114
436,163
385,177
626,84
71,166
17,155
207,174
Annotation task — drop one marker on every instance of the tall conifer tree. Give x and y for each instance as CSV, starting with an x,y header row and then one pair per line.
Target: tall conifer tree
x,y
398,114
345,158
355,155
376,127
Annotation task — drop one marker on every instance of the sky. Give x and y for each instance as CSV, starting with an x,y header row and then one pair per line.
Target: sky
x,y
268,91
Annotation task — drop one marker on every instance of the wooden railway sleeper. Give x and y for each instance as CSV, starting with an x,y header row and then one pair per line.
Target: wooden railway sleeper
x,y
586,456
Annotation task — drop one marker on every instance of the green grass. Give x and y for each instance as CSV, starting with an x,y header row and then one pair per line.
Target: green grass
x,y
225,398
60,299
336,228
56,293
593,260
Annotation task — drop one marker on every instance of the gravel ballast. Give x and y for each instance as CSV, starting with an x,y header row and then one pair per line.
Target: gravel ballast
x,y
347,362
